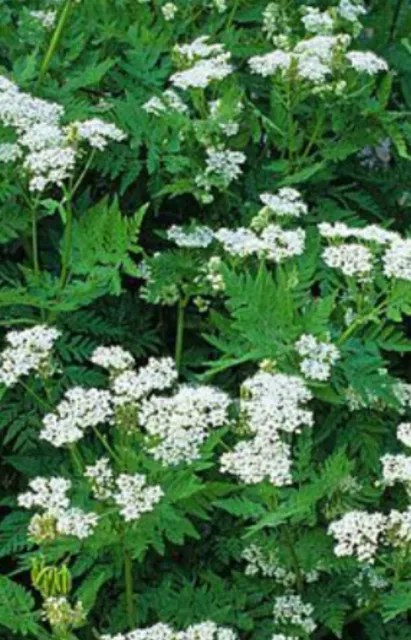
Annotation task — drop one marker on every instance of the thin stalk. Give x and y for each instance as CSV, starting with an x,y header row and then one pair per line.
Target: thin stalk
x,y
76,459
180,332
39,399
83,173
34,243
67,245
62,19
232,14
294,558
290,119
313,138
395,19
128,584
360,321
106,445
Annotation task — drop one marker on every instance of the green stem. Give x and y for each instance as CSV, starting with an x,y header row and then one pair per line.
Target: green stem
x,y
106,445
232,14
54,40
67,245
360,321
395,19
313,138
83,173
40,400
76,458
180,332
34,243
128,583
294,558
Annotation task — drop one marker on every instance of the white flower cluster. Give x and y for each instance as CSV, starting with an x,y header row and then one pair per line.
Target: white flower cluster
x,y
213,274
134,496
220,5
281,636
267,565
224,163
228,126
57,517
377,157
50,149
46,19
60,613
255,460
209,63
239,242
80,409
278,244
404,433
358,533
287,202
399,527
372,233
201,631
113,358
366,62
97,133
28,351
318,357
169,102
10,152
169,11
179,424
198,49
291,610
270,404
273,402
351,11
397,468
129,491
101,476
354,260
316,21
318,59
397,260
131,387
194,238
275,243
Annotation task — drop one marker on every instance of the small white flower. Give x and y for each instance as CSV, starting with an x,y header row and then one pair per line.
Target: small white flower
x,y
80,409
397,260
203,73
239,242
97,132
354,260
318,357
135,497
46,19
28,351
316,21
291,609
358,533
366,62
169,11
287,202
404,433
224,163
113,358
194,238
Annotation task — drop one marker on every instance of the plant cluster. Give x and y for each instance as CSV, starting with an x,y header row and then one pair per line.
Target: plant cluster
x,y
204,291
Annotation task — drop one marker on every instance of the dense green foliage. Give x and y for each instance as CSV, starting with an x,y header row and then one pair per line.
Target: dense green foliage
x,y
93,256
